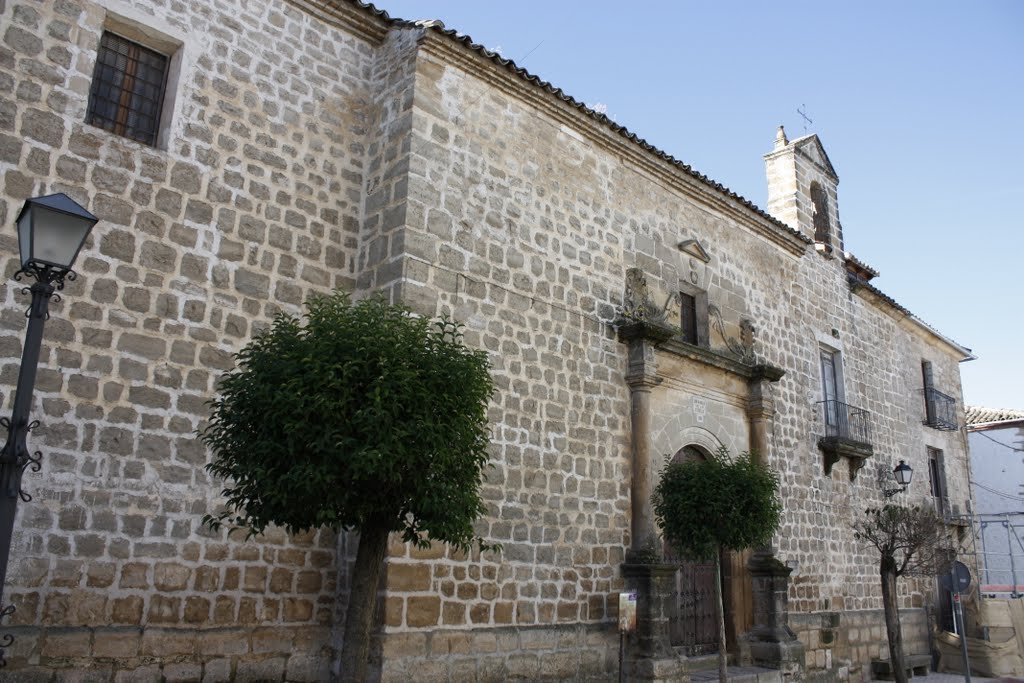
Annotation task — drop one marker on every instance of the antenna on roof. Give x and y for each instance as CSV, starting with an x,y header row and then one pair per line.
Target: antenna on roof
x,y
803,114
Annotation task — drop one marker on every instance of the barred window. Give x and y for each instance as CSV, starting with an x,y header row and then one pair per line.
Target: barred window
x,y
127,89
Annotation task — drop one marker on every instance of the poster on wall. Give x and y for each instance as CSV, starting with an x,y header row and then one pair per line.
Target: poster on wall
x,y
627,612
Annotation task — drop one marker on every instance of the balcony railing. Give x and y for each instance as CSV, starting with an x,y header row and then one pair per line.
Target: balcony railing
x,y
847,434
940,410
846,422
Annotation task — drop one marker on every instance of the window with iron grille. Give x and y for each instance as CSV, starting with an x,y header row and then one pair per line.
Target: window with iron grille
x,y
128,87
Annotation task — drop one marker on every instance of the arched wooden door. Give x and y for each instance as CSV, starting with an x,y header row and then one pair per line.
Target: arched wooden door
x,y
694,622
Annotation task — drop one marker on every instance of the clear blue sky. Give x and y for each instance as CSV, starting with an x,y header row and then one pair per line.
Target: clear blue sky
x,y
920,106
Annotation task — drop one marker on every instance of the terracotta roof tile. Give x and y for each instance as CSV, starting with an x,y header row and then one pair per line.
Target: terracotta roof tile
x,y
976,415
863,270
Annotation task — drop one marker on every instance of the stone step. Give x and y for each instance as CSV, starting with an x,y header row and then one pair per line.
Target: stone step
x,y
917,665
738,674
702,662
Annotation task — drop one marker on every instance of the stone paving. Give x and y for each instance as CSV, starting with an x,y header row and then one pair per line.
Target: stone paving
x,y
934,677
739,674
754,674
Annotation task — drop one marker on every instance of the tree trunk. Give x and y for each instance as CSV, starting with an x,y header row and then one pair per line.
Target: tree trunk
x,y
355,650
722,654
892,619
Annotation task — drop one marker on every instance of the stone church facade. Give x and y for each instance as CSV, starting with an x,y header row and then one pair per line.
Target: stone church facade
x,y
634,312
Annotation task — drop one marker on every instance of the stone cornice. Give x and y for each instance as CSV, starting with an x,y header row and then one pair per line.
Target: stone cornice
x,y
449,51
347,16
699,354
655,333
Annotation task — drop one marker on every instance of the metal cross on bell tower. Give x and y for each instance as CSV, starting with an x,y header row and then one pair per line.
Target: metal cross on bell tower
x,y
802,110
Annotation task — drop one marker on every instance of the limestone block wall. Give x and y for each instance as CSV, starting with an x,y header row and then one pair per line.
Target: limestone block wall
x,y
881,356
846,641
525,218
315,149
251,202
536,288
387,124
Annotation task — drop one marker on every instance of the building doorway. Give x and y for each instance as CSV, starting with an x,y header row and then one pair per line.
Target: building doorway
x,y
694,622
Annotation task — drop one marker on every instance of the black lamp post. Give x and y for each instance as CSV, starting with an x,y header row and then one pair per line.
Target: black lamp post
x,y
903,473
51,232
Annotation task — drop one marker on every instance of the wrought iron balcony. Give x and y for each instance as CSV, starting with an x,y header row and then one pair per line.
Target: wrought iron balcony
x,y
940,410
847,434
843,421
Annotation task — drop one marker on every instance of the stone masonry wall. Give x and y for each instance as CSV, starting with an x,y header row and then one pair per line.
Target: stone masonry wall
x,y
846,641
532,292
522,222
254,203
309,153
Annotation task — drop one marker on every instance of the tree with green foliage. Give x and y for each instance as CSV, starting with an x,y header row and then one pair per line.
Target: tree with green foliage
x,y
910,541
366,417
705,507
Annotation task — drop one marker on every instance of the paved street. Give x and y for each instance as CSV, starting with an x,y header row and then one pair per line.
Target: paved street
x,y
933,677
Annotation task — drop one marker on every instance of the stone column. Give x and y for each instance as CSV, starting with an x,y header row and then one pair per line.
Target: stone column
x,y
770,643
761,408
650,656
641,378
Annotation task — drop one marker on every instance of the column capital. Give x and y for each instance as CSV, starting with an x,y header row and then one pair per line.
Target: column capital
x,y
642,373
760,402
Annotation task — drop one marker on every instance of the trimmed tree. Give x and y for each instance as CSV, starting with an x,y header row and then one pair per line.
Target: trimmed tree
x,y
705,507
364,418
910,541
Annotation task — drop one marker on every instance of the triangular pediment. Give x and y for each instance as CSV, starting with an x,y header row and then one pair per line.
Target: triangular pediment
x,y
694,249
811,147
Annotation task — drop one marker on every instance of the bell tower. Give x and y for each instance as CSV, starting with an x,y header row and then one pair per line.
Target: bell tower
x,y
803,190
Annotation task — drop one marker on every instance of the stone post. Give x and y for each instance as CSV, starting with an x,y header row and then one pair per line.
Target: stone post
x,y
771,643
761,408
650,655
641,378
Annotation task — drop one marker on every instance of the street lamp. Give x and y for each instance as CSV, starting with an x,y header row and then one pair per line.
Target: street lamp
x,y
51,232
902,473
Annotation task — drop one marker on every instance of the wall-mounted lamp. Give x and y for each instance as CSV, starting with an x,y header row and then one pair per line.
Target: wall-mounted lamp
x,y
902,473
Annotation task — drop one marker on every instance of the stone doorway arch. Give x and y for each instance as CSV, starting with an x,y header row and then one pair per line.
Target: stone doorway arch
x,y
693,625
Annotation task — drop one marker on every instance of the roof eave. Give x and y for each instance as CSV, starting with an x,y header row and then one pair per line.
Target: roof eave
x,y
1017,422
880,298
792,240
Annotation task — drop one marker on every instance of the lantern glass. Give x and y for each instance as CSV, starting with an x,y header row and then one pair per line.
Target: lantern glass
x,y
52,230
25,235
903,473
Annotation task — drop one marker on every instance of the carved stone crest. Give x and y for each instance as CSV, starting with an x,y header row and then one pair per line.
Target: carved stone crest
x,y
742,348
637,305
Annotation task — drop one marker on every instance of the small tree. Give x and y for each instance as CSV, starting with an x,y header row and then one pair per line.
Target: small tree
x,y
910,541
364,418
705,507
